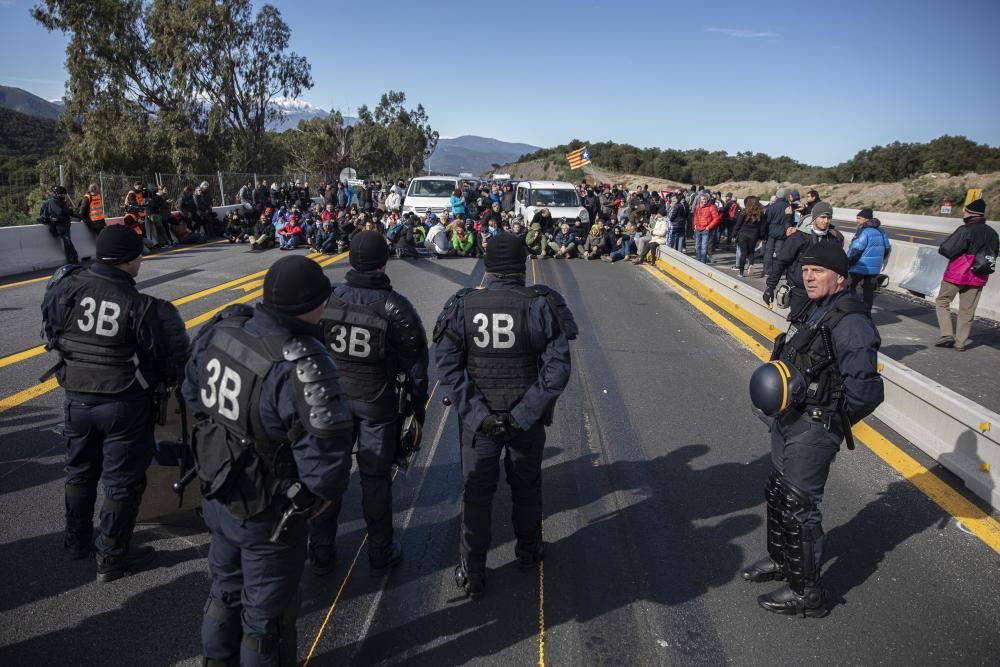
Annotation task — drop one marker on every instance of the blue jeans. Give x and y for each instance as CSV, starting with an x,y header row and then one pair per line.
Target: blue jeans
x,y
737,264
69,249
676,240
702,249
289,242
621,253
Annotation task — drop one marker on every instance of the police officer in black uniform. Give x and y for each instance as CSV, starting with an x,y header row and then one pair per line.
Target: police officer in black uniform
x,y
374,333
272,442
503,355
115,346
822,379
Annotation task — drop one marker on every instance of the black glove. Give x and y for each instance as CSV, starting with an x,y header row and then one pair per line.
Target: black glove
x,y
768,295
494,426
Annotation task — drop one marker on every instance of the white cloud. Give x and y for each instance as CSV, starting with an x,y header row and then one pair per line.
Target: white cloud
x,y
734,32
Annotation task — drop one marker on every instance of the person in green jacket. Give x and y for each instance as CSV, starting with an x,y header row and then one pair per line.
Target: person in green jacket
x,y
462,242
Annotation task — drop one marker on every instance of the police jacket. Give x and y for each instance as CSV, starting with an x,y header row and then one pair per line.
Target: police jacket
x,y
789,259
501,321
287,405
374,332
838,324
114,342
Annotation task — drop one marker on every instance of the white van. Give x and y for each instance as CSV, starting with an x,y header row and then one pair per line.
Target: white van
x,y
559,197
430,193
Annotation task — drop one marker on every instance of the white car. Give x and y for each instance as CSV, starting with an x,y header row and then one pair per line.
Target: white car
x,y
559,197
430,193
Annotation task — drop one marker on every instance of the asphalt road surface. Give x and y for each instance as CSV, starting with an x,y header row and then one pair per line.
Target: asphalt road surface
x,y
653,479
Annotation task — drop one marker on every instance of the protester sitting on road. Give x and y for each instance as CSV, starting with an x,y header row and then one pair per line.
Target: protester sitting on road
x,y
463,243
749,231
619,245
867,254
563,245
437,240
326,237
596,244
971,251
234,232
290,234
535,239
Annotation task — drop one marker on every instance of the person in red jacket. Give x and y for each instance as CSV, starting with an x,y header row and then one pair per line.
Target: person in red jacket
x,y
706,218
290,234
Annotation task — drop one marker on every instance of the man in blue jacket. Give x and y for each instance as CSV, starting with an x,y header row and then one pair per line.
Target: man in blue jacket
x,y
776,221
867,254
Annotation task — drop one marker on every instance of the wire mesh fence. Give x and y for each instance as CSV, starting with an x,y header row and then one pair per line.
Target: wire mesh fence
x,y
22,191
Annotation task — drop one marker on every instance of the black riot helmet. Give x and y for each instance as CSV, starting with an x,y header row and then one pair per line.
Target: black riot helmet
x,y
776,386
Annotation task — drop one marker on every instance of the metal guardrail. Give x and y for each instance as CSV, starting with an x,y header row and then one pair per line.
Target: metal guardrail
x,y
960,434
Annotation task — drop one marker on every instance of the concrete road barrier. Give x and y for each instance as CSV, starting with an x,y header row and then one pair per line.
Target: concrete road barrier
x,y
27,248
961,435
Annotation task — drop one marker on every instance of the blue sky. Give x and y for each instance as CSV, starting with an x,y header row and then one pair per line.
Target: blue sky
x,y
816,81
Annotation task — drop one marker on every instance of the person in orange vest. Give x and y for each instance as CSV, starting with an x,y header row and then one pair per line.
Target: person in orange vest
x,y
135,209
91,209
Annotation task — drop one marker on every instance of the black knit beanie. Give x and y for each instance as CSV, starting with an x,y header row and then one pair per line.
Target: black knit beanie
x,y
118,244
506,253
977,207
865,213
369,251
827,255
295,285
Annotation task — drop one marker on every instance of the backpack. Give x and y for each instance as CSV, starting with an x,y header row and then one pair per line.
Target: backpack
x,y
394,231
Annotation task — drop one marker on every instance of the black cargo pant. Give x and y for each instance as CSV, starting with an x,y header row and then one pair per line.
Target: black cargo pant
x,y
376,426
110,441
802,452
522,459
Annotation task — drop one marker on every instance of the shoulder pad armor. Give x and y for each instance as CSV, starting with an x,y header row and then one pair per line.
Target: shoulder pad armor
x,y
449,309
298,347
62,272
564,316
315,368
319,397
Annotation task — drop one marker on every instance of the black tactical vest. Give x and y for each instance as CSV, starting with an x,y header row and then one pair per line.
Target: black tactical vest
x,y
499,356
357,336
238,463
808,345
99,344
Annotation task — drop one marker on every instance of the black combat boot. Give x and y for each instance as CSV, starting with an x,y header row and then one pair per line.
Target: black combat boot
x,y
810,603
763,570
379,564
528,558
474,584
322,558
110,568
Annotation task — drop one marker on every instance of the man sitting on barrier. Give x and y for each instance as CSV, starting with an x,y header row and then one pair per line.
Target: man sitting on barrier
x,y
821,380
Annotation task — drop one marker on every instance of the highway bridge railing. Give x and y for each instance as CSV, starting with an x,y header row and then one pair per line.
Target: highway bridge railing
x,y
961,435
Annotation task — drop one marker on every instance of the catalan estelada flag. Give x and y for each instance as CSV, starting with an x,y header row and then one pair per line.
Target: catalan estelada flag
x,y
578,158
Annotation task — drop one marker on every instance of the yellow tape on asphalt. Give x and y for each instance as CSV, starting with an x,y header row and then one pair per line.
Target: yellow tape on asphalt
x,y
981,524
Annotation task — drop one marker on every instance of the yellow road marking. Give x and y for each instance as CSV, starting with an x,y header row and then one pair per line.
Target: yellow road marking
x,y
541,611
982,525
765,329
25,282
350,570
30,393
236,282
